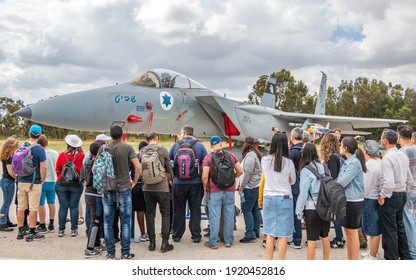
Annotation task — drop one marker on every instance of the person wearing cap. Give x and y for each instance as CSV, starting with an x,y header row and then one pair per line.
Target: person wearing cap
x,y
396,178
405,139
221,202
29,190
188,191
69,196
372,179
101,139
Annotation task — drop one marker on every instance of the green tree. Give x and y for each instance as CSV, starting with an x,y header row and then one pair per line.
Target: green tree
x,y
10,124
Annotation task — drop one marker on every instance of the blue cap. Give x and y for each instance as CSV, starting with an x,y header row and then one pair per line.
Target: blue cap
x,y
215,140
35,130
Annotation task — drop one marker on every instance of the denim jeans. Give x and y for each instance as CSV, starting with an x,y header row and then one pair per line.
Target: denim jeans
x,y
68,197
338,231
297,233
183,194
152,199
409,220
251,212
224,201
394,239
7,186
123,196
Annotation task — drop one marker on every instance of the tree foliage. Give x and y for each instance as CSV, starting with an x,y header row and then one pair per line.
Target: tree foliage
x,y
359,98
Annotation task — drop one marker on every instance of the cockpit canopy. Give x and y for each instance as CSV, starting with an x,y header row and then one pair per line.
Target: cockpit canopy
x,y
162,78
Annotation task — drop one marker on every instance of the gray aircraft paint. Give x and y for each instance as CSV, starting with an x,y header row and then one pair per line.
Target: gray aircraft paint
x,y
165,108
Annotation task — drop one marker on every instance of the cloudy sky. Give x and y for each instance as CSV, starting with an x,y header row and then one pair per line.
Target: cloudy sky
x,y
55,47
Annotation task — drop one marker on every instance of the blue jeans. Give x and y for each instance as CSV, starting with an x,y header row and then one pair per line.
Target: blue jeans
x,y
297,233
7,186
409,220
68,197
251,212
224,201
110,199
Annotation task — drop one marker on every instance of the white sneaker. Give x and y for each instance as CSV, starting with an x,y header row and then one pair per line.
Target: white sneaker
x,y
370,258
365,254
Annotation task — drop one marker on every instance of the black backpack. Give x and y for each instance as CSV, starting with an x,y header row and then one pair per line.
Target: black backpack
x,y
222,169
332,202
69,175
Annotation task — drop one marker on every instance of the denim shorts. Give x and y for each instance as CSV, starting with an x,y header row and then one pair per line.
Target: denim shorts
x,y
48,192
371,220
278,216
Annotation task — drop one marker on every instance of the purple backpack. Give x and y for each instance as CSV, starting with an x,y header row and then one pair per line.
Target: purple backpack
x,y
185,163
22,161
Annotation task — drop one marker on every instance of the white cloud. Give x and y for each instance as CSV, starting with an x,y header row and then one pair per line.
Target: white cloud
x,y
54,47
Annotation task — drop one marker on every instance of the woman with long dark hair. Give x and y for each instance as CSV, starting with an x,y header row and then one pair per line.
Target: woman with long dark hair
x,y
249,186
69,195
316,227
280,174
351,178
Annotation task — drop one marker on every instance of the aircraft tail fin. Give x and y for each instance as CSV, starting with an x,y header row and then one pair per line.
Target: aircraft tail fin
x,y
269,95
320,104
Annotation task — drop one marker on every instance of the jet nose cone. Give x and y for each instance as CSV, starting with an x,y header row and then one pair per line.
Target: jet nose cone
x,y
24,112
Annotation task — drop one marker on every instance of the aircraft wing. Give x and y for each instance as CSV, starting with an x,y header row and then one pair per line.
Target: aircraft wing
x,y
349,124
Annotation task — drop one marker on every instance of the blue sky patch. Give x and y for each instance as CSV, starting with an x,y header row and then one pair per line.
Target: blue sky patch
x,y
341,33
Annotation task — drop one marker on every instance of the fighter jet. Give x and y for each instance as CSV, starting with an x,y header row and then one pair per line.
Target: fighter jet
x,y
164,101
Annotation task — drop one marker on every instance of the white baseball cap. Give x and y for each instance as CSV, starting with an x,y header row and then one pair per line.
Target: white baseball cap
x,y
102,137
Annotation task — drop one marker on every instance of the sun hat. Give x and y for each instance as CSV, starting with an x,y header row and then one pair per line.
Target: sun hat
x,y
73,140
102,137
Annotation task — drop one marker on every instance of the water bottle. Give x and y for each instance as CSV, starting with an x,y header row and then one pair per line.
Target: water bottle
x,y
197,165
242,198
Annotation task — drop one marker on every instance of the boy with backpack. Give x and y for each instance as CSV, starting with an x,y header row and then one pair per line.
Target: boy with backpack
x,y
96,222
156,172
29,185
187,156
218,177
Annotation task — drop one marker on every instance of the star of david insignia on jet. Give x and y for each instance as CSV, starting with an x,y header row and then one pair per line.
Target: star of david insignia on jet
x,y
166,100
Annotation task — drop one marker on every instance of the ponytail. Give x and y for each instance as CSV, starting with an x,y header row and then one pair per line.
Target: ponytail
x,y
360,156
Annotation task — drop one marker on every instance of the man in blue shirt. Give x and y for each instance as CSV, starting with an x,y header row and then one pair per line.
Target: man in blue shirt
x,y
189,190
30,188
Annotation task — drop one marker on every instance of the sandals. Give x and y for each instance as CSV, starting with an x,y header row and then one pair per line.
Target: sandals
x,y
81,220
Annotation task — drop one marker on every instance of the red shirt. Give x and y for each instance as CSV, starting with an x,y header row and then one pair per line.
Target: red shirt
x,y
212,187
61,162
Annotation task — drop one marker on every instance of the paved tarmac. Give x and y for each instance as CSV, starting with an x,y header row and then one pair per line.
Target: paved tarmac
x,y
72,248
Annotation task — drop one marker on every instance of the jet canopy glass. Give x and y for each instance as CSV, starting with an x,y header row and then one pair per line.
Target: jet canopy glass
x,y
162,78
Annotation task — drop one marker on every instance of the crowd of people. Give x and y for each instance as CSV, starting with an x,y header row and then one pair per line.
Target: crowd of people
x,y
278,192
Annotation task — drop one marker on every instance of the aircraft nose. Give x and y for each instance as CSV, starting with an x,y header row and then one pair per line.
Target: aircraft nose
x,y
24,112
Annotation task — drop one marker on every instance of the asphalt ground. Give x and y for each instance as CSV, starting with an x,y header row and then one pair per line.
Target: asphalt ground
x,y
72,248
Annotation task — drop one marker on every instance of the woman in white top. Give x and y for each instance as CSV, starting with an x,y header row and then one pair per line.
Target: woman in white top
x,y
279,172
371,221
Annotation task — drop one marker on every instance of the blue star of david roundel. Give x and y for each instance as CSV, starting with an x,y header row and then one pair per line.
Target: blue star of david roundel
x,y
166,100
